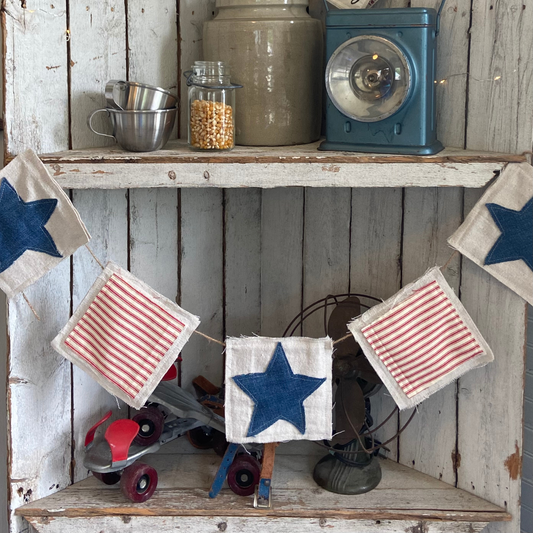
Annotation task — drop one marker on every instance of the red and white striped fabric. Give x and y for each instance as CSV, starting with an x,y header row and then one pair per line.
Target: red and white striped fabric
x,y
127,335
124,335
422,339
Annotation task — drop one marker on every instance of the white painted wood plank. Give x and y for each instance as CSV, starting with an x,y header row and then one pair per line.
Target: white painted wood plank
x,y
153,44
36,99
39,399
452,67
154,239
4,524
500,104
39,396
191,17
105,215
430,217
376,242
243,261
281,259
500,115
491,398
326,250
270,175
152,53
94,61
201,282
375,271
115,524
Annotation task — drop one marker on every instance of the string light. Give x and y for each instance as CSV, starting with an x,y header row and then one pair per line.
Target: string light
x,y
496,78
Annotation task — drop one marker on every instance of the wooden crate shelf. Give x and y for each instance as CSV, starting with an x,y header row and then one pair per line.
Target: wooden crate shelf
x,y
405,500
294,166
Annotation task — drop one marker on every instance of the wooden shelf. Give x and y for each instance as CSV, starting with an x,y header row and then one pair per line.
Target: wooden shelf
x,y
294,166
405,500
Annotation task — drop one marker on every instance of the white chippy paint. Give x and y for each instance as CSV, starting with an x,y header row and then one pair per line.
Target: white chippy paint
x,y
375,270
93,62
281,259
431,216
242,261
271,175
105,212
191,19
153,45
201,282
115,524
326,250
35,58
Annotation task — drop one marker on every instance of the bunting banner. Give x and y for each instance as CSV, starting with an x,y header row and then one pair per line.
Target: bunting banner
x,y
497,234
125,335
278,389
420,340
39,226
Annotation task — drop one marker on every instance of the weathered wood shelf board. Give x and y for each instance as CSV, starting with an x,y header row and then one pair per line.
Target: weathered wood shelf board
x,y
405,500
295,166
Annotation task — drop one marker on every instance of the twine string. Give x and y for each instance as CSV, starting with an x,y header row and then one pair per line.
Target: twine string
x,y
31,307
443,268
94,257
211,339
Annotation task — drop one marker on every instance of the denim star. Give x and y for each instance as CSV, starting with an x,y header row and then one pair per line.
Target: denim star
x,y
516,240
22,226
278,393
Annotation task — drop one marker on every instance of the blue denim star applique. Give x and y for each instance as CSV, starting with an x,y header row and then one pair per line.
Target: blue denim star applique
x,y
516,240
22,226
278,393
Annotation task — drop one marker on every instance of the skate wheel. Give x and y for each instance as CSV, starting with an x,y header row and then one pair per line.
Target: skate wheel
x,y
220,444
244,474
201,437
109,478
138,482
151,421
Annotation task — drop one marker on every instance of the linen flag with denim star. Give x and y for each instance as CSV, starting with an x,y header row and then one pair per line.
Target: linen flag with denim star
x,y
39,226
278,389
497,234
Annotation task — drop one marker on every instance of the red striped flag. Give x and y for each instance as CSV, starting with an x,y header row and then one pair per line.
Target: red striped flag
x,y
422,339
125,335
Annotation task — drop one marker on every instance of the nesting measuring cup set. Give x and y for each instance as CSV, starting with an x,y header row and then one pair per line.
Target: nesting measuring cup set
x,y
211,106
142,116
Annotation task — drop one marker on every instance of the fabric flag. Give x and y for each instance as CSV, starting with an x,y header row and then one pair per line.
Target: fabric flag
x,y
39,226
278,389
125,335
497,234
420,340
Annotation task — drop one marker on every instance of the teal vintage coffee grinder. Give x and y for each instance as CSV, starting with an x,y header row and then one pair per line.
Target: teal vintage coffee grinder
x,y
380,80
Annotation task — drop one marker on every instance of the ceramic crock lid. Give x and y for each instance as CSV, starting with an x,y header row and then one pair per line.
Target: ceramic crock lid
x,y
228,3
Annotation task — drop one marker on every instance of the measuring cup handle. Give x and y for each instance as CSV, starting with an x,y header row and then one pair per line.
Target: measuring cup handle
x,y
90,123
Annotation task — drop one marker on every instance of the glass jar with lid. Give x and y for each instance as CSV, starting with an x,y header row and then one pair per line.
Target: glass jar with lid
x,y
211,106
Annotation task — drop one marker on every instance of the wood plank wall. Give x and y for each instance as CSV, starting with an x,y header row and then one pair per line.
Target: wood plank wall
x,y
248,260
527,481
